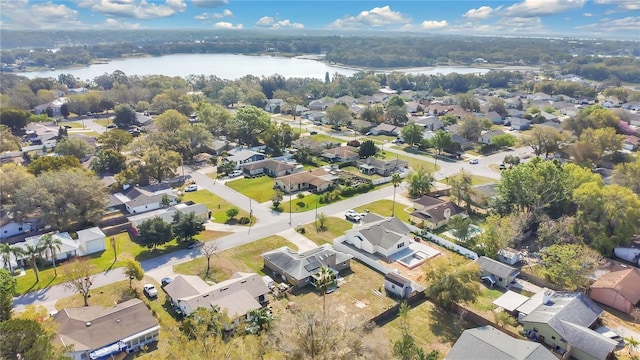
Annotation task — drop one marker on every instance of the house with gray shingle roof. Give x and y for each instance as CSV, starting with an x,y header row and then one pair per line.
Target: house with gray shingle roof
x,y
497,273
489,343
563,321
270,167
298,269
432,213
384,237
142,199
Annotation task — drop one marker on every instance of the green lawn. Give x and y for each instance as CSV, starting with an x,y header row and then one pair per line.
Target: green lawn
x,y
383,208
103,122
333,228
301,205
324,137
242,258
73,124
259,189
217,205
414,163
481,180
213,174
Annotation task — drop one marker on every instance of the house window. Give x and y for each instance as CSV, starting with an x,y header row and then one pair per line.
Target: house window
x,y
19,229
400,245
393,286
553,337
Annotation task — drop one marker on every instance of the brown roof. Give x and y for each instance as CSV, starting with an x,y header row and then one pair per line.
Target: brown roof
x,y
342,151
313,177
273,165
92,327
624,282
435,212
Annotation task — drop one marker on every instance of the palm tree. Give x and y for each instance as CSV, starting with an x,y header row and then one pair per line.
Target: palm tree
x,y
33,252
6,250
633,343
395,180
324,280
53,244
259,320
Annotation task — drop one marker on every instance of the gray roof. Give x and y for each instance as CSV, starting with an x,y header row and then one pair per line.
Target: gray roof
x,y
586,339
302,265
384,233
242,155
496,268
488,343
397,279
184,286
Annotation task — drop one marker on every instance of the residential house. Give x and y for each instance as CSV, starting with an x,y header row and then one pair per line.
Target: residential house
x,y
362,126
432,213
481,194
386,129
317,181
273,105
632,105
299,110
618,289
10,227
497,273
489,343
548,116
80,90
312,146
397,285
167,214
510,301
413,107
563,321
91,240
298,269
539,96
236,297
520,124
346,99
320,105
552,124
219,146
509,256
465,144
383,238
142,199
382,167
486,136
43,108
494,117
341,154
431,123
241,156
315,116
270,167
94,332
631,142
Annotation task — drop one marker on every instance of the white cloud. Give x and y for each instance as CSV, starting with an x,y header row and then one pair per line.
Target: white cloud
x,y
117,24
269,22
481,13
587,14
209,3
220,15
621,4
532,8
432,24
132,9
227,25
21,15
379,16
628,24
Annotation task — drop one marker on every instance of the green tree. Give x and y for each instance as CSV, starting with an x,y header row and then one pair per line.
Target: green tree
x,y
171,121
226,167
197,137
338,115
154,232
255,98
125,116
12,178
461,187
367,149
279,137
8,141
503,141
543,140
396,180
64,110
412,133
78,276
259,320
498,105
14,118
52,245
276,200
396,114
133,270
33,252
115,139
459,226
108,161
468,102
471,127
186,226
322,219
75,147
324,280
230,95
6,250
449,119
142,106
499,233
569,265
627,175
442,141
7,290
420,182
26,339
216,118
159,164
406,348
232,212
452,279
249,123
594,116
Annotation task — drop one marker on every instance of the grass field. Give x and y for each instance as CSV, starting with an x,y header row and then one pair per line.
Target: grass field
x,y
414,163
301,205
383,208
103,122
324,137
259,189
217,205
333,228
245,258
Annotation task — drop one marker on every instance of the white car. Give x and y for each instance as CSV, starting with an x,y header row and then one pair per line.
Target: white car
x,y
235,173
191,188
473,161
150,290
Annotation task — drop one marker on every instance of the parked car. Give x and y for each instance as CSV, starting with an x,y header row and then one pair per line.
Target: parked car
x,y
165,281
473,161
191,188
111,126
503,166
150,290
353,216
314,133
235,173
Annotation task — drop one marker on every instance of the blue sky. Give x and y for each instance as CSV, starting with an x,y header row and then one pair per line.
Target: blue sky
x,y
580,18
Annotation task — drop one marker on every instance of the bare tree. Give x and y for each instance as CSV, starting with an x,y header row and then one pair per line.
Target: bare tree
x,y
208,250
78,276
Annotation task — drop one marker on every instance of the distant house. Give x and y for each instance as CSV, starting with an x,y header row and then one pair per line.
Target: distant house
x,y
312,146
397,285
486,136
539,96
273,105
465,144
548,116
320,105
386,129
431,123
237,296
219,146
563,321
167,214
298,269
80,90
240,156
317,181
497,273
494,117
631,142
383,238
432,213
509,256
44,108
10,227
382,167
91,240
270,167
94,332
138,199
489,343
362,125
341,154
519,124
618,289
552,124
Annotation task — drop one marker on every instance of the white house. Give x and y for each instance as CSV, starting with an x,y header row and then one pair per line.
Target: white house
x,y
384,237
9,227
138,200
91,240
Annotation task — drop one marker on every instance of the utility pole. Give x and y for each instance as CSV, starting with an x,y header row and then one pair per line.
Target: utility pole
x,y
250,216
290,191
316,222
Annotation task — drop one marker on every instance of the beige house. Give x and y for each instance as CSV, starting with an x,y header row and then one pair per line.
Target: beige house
x,y
318,180
618,289
269,167
341,154
432,213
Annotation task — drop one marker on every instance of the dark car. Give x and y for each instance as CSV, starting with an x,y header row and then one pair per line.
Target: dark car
x,y
111,126
166,281
314,133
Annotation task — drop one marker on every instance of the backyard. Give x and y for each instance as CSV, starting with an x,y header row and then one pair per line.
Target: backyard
x,y
216,205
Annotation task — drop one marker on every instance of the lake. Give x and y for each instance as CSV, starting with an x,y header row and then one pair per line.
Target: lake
x,y
227,66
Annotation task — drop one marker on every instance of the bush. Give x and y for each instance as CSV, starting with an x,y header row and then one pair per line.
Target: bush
x,y
244,220
354,143
302,230
346,163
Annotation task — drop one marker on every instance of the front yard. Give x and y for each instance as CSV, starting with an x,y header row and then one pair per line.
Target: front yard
x,y
215,204
333,228
383,208
259,188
